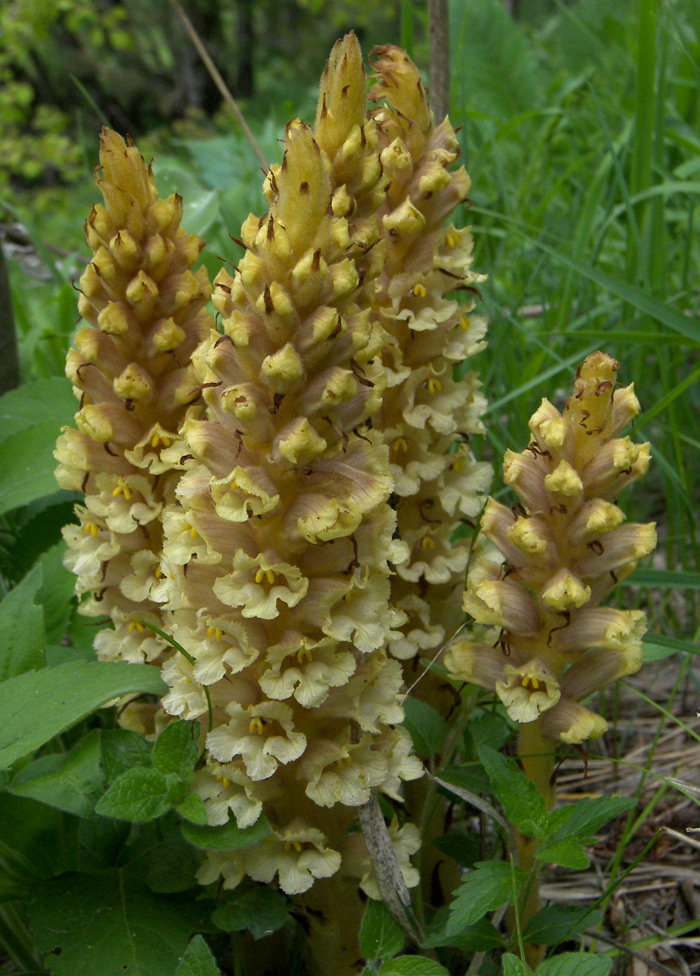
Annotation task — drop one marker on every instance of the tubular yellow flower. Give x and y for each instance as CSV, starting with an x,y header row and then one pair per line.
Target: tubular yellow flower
x,y
146,313
427,417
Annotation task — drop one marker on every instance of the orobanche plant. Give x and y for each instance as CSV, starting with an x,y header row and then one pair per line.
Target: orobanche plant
x,y
271,501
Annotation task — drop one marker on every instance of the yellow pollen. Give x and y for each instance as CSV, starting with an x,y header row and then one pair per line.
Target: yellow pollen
x,y
187,527
270,576
292,845
427,543
135,625
465,323
158,572
256,726
225,782
458,465
122,489
160,439
530,683
260,576
92,529
344,761
419,291
434,386
215,632
400,444
304,652
452,239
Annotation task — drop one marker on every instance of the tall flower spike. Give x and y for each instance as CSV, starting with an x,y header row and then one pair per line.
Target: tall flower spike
x,y
562,551
146,313
427,417
281,543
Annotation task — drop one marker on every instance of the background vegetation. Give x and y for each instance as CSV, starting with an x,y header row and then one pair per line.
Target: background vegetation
x,y
580,125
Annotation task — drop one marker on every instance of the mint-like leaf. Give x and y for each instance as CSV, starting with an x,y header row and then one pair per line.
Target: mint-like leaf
x,y
192,808
380,935
175,750
228,837
198,960
260,911
575,964
569,853
485,889
22,635
427,727
139,795
557,923
512,966
522,802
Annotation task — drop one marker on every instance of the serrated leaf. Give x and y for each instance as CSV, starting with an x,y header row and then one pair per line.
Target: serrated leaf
x,y
228,837
482,936
569,853
522,802
512,966
192,808
575,964
380,934
175,750
412,966
22,635
123,749
137,796
198,960
557,923
488,729
38,705
485,889
74,786
427,727
260,911
126,929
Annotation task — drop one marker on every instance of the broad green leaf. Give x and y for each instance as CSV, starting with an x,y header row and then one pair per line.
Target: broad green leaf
x,y
38,705
100,842
74,786
512,966
260,911
109,924
228,837
31,403
161,857
56,593
557,923
380,935
123,749
569,853
27,465
175,750
479,937
192,808
138,795
575,964
412,966
22,636
428,728
464,848
489,729
522,802
198,960
471,777
485,889
586,817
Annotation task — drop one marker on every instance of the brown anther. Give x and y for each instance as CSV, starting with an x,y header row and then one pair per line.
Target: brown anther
x,y
108,449
596,546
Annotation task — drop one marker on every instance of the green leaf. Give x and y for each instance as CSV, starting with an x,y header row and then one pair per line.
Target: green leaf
x,y
138,795
161,856
412,966
482,936
575,964
464,848
489,729
198,960
122,750
569,853
192,808
485,889
38,705
74,786
175,750
522,802
109,924
663,578
380,934
586,817
657,647
22,635
557,923
228,837
512,966
27,466
260,911
31,403
428,729
56,593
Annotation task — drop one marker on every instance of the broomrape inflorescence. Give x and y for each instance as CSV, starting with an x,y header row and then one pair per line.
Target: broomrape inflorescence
x,y
131,370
